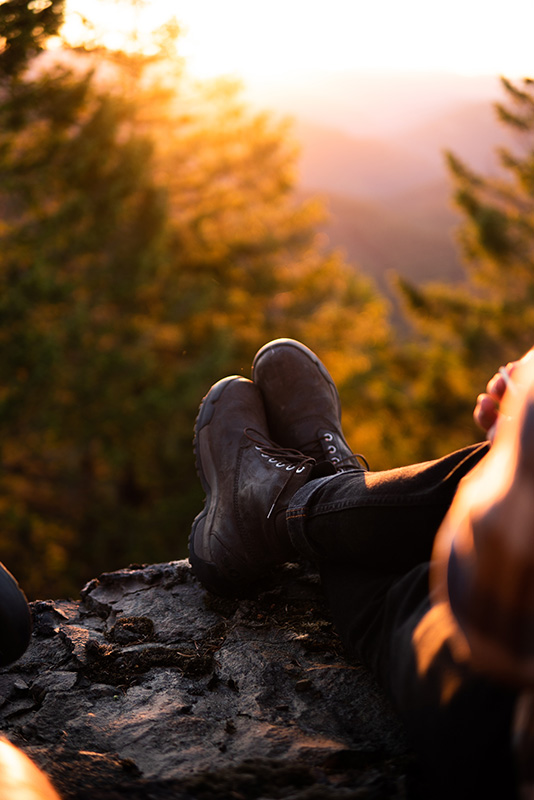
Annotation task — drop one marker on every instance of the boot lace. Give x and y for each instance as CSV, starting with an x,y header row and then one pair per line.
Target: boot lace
x,y
279,456
283,458
354,460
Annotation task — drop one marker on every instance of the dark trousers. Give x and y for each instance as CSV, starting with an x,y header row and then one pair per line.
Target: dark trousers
x,y
371,535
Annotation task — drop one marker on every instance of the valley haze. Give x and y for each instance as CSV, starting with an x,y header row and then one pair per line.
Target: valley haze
x,y
372,146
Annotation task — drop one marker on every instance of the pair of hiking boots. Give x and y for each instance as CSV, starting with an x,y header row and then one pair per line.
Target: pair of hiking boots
x,y
257,442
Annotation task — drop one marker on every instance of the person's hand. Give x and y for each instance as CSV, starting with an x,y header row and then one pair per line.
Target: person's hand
x,y
486,413
483,559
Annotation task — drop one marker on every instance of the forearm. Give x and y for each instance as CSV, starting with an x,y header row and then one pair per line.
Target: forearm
x,y
483,560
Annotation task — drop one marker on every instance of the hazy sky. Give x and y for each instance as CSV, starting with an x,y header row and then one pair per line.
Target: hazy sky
x,y
256,39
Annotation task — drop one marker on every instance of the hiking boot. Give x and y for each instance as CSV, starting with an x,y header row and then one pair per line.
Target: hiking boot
x,y
15,619
248,480
302,403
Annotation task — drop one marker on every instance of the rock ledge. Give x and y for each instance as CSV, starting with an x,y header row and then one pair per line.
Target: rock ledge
x,y
150,687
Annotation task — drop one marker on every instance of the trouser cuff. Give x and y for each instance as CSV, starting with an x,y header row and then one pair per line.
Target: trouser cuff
x,y
297,514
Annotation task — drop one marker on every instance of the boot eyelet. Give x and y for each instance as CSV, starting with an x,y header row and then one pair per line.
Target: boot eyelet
x,y
335,460
328,437
280,464
272,461
290,467
332,449
301,469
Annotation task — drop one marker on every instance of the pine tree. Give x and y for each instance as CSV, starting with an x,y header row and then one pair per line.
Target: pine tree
x,y
150,242
469,330
25,27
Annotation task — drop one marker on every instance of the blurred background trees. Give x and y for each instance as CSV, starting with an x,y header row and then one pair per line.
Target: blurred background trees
x,y
151,240
466,331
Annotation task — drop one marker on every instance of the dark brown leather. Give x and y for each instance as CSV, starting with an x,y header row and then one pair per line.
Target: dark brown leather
x,y
248,481
302,403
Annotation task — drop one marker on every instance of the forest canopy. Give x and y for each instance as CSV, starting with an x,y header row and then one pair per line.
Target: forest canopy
x,y
150,242
152,238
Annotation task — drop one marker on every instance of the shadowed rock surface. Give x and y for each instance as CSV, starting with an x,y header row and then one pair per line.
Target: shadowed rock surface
x,y
150,687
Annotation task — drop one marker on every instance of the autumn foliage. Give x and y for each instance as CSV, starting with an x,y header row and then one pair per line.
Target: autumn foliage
x,y
150,242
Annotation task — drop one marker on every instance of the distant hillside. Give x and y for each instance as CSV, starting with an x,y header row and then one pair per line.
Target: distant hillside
x,y
373,104
471,131
390,199
366,168
338,162
372,145
411,236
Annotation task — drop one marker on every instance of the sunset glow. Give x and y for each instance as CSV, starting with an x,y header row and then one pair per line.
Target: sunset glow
x,y
284,38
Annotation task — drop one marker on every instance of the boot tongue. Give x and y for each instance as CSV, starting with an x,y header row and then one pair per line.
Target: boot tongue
x,y
304,435
276,515
322,470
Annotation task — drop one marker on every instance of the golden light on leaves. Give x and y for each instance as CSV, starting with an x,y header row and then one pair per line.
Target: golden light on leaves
x,y
129,25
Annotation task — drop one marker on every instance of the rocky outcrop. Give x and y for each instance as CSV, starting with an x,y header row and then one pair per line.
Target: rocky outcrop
x,y
150,687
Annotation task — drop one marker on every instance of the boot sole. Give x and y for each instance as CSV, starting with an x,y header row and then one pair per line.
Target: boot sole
x,y
206,571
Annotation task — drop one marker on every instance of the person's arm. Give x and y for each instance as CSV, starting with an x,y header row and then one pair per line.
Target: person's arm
x,y
483,560
486,412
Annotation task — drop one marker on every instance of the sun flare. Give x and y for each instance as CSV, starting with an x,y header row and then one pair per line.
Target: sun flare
x,y
282,38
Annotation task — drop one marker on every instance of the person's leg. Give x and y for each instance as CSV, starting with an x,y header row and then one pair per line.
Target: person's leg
x,y
372,536
380,525
249,480
383,616
383,519
458,721
379,520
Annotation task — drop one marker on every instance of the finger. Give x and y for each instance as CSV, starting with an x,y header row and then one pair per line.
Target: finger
x,y
496,387
486,412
